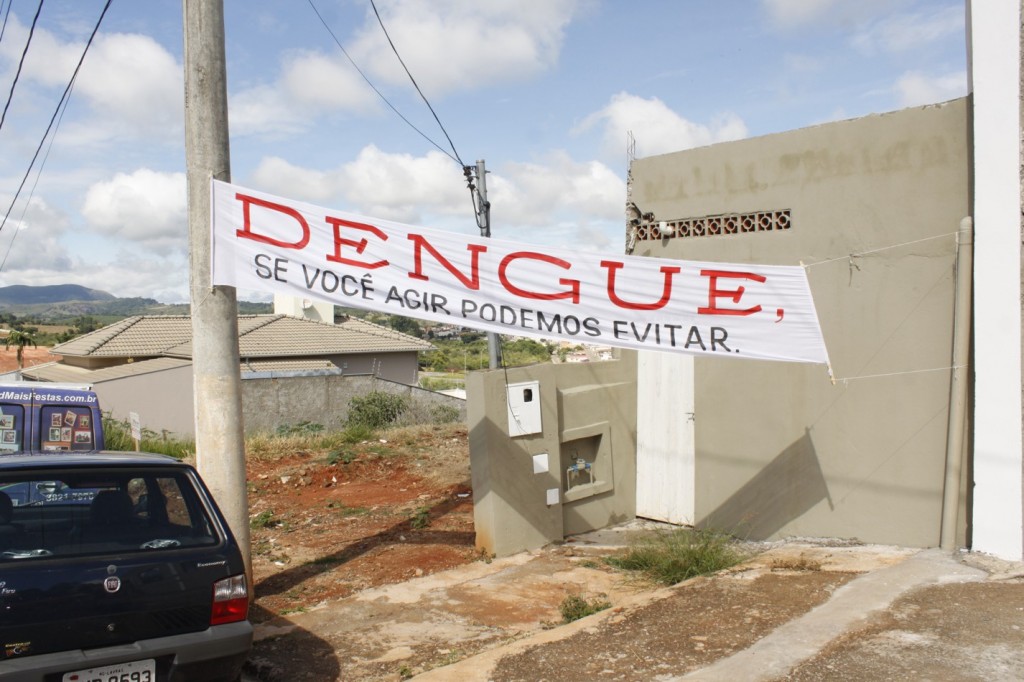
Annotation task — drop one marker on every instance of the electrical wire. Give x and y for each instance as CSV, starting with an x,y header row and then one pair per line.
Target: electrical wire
x,y
53,118
415,84
3,29
28,201
454,156
21,61
379,93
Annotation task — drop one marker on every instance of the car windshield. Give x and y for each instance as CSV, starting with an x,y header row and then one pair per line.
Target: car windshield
x,y
95,511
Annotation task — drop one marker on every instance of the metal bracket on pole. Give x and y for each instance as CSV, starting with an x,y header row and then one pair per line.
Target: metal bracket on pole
x,y
482,208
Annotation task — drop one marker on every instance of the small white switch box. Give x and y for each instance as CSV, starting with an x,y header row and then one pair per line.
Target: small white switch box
x,y
540,463
553,496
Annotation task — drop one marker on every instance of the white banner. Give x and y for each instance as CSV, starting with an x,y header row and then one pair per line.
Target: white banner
x,y
267,243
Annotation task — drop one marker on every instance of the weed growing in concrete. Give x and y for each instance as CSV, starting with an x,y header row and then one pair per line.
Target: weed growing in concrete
x,y
671,557
574,607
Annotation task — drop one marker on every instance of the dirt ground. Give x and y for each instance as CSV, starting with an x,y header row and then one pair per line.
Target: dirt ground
x,y
379,512
31,356
365,569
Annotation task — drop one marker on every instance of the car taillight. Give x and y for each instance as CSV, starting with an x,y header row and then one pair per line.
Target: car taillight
x,y
230,600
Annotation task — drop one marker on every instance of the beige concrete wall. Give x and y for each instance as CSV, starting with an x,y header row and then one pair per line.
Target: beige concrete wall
x,y
268,403
588,411
781,450
163,400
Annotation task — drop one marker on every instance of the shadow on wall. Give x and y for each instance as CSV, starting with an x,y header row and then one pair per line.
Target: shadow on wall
x,y
785,489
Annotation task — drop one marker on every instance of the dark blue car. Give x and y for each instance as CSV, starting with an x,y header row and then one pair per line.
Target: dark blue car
x,y
116,567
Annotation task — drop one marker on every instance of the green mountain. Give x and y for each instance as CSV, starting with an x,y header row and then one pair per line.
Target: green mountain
x,y
21,294
61,302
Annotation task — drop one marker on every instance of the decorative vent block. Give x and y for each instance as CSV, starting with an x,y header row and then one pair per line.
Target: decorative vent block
x,y
712,225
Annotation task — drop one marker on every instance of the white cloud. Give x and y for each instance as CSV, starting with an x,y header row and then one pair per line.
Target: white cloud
x,y
146,206
656,128
449,45
397,187
161,279
33,236
540,194
463,44
556,201
309,85
915,88
132,84
795,14
906,32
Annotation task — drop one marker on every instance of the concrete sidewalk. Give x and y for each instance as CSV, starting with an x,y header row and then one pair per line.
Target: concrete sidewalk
x,y
802,646
796,611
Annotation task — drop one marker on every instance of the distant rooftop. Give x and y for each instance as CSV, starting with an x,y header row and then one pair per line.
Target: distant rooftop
x,y
259,336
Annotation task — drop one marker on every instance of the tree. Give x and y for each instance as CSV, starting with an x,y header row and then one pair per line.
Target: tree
x,y
20,339
407,325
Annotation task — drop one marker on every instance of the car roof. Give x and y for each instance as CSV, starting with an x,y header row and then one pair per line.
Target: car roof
x,y
84,459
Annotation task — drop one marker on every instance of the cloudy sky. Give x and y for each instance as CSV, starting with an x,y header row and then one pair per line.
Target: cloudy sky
x,y
545,91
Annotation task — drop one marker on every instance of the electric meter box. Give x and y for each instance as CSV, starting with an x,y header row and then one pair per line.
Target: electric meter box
x,y
523,408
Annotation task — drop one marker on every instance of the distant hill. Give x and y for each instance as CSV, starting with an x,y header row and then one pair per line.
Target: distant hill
x,y
21,294
67,301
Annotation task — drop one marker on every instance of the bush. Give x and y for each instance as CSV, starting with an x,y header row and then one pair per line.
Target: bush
x,y
303,428
672,557
574,607
376,410
117,435
357,433
444,414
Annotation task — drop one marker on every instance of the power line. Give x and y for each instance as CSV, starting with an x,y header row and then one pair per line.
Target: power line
x,y
481,207
3,29
21,61
28,201
53,118
415,84
379,93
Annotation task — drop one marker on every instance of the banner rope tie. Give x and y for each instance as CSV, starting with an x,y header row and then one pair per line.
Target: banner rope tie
x,y
847,380
871,251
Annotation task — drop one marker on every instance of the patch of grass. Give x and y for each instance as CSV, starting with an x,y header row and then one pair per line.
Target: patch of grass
x,y
405,672
444,414
796,564
342,510
342,456
357,433
376,409
265,519
671,557
420,518
117,435
303,428
574,607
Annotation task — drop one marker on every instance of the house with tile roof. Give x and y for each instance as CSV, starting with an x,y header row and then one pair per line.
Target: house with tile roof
x,y
143,364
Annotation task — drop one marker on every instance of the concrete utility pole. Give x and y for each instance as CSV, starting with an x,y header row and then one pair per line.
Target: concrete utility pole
x,y
483,219
220,447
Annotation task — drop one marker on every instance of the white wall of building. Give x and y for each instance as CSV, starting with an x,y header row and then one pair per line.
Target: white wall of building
x,y
994,72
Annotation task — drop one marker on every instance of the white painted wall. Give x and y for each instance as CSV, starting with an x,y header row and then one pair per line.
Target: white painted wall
x,y
317,310
665,451
994,48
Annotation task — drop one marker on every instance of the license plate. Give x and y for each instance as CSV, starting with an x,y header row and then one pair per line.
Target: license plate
x,y
133,671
